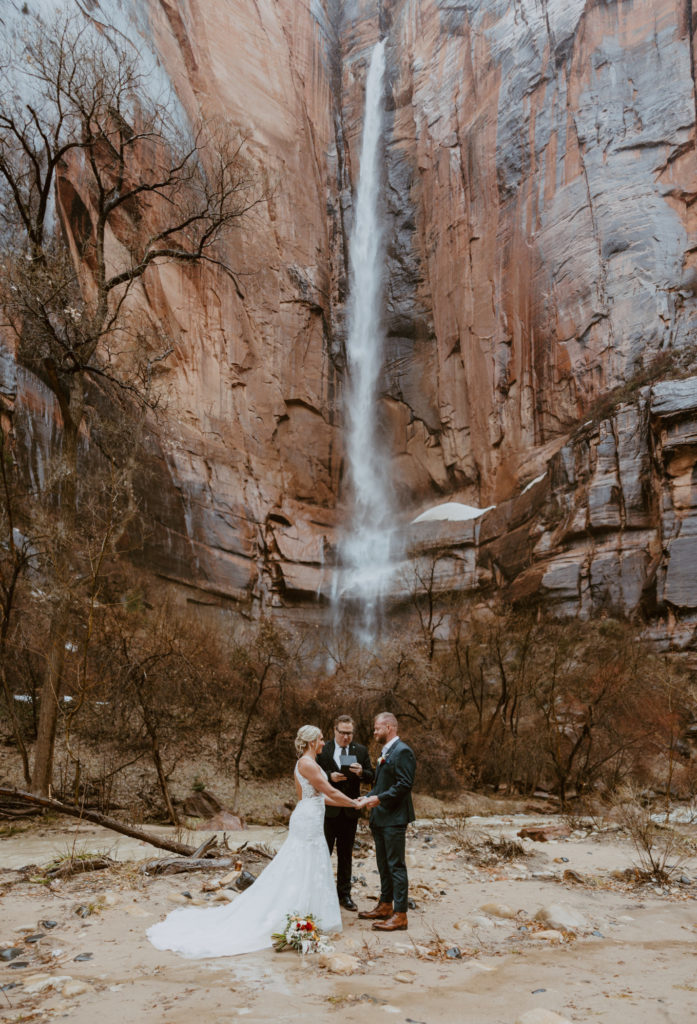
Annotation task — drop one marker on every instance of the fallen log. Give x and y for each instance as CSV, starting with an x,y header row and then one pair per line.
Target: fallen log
x,y
176,865
76,865
99,819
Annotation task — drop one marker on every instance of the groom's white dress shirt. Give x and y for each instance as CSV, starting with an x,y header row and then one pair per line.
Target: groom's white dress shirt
x,y
387,746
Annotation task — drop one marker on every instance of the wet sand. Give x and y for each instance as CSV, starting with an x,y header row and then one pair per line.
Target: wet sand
x,y
633,957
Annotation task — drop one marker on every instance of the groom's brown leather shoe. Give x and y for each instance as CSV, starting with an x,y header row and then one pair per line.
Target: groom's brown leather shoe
x,y
396,923
382,912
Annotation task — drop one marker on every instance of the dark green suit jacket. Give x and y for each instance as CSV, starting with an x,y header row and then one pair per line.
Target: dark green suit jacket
x,y
394,780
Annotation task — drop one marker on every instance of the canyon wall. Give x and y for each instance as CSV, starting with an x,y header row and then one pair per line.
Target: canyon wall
x,y
540,208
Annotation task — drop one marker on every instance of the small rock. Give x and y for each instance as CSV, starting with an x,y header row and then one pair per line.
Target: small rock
x,y
35,937
224,896
684,880
406,977
187,895
597,933
454,953
174,897
82,910
82,956
48,924
573,876
9,985
232,876
42,982
498,910
244,880
543,833
17,965
74,987
10,953
565,918
412,904
211,886
549,935
541,1016
339,963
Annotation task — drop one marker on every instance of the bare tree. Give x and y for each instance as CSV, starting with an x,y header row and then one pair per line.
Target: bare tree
x,y
98,185
15,560
260,669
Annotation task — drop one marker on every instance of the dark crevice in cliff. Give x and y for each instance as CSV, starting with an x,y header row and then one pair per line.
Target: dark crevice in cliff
x,y
691,30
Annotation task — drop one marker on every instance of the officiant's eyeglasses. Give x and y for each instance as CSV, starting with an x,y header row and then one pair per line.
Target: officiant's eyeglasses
x,y
345,732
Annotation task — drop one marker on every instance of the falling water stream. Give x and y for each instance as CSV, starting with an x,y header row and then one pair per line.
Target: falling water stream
x,y
364,549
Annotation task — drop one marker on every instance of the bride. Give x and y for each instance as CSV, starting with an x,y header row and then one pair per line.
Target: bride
x,y
299,880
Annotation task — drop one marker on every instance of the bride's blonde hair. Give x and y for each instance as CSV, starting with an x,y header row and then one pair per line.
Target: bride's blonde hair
x,y
307,734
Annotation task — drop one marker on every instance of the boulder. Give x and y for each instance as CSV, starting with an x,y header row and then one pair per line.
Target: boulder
x,y
557,915
202,804
339,963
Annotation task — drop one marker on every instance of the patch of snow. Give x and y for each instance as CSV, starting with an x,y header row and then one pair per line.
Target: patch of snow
x,y
533,482
452,511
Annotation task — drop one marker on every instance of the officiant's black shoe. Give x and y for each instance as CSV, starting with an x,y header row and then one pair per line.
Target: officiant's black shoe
x,y
347,903
380,913
396,923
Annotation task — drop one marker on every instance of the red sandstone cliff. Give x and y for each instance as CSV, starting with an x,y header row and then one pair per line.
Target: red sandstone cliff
x,y
541,180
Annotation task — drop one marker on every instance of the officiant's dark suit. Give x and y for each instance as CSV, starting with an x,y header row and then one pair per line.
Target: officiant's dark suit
x,y
340,823
391,811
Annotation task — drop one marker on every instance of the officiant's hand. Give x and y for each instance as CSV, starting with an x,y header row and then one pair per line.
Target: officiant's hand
x,y
356,769
337,777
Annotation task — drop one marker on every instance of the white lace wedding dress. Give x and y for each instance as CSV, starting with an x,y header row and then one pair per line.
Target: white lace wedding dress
x,y
299,880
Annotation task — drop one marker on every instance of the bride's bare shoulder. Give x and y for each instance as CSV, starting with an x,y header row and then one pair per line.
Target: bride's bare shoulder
x,y
307,766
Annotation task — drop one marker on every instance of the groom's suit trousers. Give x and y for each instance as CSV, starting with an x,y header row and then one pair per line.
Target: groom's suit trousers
x,y
390,843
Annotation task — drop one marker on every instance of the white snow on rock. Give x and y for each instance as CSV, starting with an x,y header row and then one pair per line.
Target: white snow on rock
x,y
453,511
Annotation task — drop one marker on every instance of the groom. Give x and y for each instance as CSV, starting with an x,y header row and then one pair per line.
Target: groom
x,y
391,811
340,823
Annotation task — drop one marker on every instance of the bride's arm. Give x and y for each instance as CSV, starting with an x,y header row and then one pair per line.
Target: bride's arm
x,y
310,770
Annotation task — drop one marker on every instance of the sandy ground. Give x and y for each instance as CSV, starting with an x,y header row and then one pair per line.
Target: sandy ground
x,y
630,955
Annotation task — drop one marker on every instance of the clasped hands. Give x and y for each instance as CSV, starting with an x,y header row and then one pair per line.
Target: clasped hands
x,y
365,801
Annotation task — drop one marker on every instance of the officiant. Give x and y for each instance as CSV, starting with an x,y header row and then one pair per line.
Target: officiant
x,y
348,765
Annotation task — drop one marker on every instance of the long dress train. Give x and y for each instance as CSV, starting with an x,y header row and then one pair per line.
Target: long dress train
x,y
299,880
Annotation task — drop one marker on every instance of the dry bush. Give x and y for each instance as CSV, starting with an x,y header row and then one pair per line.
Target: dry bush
x,y
481,847
659,848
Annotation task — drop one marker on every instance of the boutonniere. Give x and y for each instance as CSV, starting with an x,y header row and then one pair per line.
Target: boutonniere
x,y
381,760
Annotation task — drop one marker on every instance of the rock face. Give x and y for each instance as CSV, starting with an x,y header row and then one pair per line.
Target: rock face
x,y
540,209
610,525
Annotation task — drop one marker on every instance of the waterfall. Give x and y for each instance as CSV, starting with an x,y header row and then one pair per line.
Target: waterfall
x,y
364,549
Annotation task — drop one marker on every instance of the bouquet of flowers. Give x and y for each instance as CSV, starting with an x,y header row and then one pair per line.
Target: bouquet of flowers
x,y
301,934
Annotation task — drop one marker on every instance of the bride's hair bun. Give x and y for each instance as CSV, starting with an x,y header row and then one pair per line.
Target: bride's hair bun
x,y
306,734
